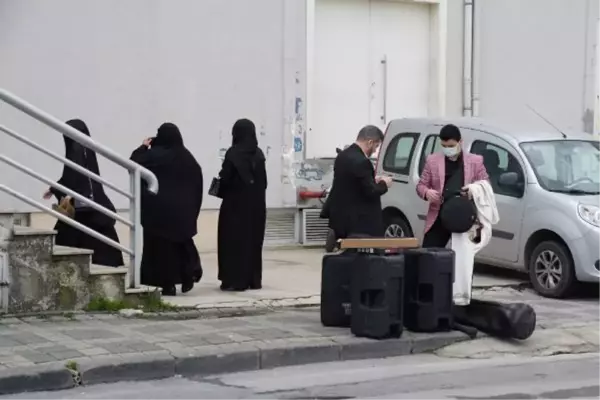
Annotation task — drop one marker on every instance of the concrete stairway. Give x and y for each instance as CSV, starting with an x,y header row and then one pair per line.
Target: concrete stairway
x,y
47,277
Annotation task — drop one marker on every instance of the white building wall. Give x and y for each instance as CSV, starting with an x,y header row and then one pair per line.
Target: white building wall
x,y
539,53
125,67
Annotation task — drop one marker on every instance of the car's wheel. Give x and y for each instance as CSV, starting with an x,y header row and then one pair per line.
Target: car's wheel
x,y
551,270
396,226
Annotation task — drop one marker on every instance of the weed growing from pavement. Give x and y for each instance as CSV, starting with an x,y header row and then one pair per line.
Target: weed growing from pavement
x,y
146,304
71,365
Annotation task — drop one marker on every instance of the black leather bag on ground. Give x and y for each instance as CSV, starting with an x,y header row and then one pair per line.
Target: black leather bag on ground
x,y
458,214
506,321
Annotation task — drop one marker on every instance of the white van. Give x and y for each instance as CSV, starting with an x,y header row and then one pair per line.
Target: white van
x,y
547,192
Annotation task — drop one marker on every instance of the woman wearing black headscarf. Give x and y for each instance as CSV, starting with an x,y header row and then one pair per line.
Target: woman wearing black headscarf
x,y
170,217
91,189
243,185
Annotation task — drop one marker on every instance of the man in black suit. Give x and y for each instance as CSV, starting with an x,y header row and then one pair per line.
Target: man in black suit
x,y
354,203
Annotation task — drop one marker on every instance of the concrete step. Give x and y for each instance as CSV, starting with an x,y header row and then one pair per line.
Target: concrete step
x,y
29,231
142,292
63,251
107,282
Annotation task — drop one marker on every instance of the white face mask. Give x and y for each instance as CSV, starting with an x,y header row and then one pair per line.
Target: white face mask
x,y
450,151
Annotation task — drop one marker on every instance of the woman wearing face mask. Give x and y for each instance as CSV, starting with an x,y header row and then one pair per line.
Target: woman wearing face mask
x,y
444,175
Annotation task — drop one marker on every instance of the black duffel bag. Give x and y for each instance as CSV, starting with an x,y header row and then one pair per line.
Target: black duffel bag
x,y
458,214
506,321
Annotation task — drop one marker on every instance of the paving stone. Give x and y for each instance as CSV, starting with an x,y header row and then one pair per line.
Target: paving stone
x,y
266,334
84,334
53,336
190,340
29,338
115,348
227,323
6,341
171,346
215,338
143,347
36,356
94,351
66,355
294,318
236,337
75,344
13,359
52,348
160,328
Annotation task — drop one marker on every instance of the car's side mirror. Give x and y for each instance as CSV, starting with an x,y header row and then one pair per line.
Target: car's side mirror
x,y
508,179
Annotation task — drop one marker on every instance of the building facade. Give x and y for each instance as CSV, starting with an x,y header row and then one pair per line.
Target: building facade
x,y
309,73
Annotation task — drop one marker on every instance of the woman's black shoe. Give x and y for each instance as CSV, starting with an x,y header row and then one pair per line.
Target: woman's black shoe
x,y
186,287
170,291
227,288
256,287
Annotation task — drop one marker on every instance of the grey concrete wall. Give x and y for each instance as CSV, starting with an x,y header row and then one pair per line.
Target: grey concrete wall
x,y
127,67
541,53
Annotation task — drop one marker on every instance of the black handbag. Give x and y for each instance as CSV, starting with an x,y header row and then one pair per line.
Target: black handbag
x,y
458,214
215,188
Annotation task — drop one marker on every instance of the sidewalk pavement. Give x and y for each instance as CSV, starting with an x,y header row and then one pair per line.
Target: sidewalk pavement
x,y
563,327
290,277
59,353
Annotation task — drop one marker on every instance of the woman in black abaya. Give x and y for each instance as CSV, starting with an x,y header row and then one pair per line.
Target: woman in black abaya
x,y
170,217
243,185
87,187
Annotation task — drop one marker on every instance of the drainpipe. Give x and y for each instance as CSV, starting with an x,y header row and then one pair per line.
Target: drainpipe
x,y
468,59
475,57
597,78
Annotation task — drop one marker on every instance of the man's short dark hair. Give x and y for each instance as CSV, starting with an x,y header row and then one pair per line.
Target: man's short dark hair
x,y
450,132
370,132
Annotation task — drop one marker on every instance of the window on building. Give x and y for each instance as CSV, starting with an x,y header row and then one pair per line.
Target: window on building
x,y
399,153
497,161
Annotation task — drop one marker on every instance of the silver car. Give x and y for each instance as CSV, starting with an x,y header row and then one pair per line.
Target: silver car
x,y
547,192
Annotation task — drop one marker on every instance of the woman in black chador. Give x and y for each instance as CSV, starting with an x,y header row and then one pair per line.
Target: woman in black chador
x,y
87,187
243,185
170,217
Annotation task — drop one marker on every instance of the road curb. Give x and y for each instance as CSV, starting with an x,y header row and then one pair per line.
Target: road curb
x,y
51,376
214,360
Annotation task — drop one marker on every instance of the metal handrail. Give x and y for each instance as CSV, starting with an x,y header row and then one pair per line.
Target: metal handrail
x,y
136,174
66,220
79,137
66,161
65,190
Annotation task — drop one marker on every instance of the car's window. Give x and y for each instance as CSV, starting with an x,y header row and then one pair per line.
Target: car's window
x,y
566,166
431,145
399,153
497,161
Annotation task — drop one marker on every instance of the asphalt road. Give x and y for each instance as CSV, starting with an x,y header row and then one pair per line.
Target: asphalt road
x,y
414,377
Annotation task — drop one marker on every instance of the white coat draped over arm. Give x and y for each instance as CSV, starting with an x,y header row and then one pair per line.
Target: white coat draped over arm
x,y
463,244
